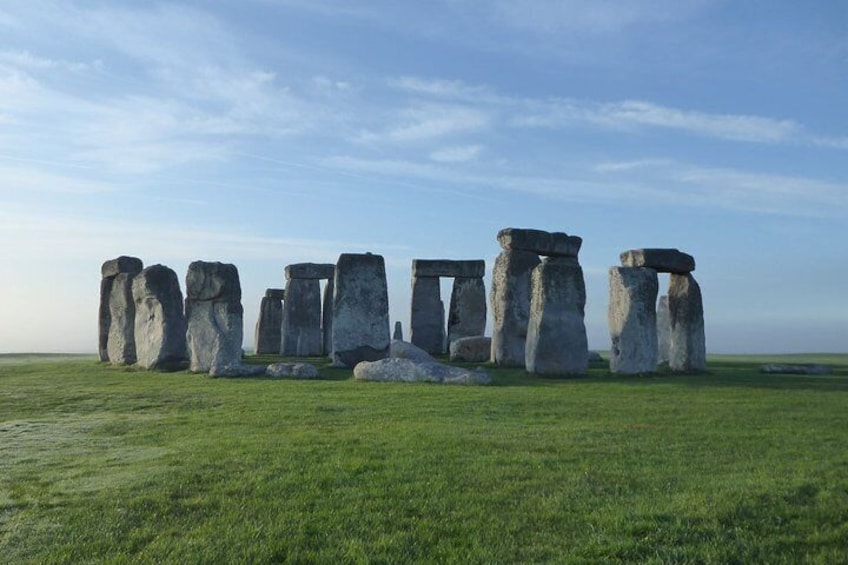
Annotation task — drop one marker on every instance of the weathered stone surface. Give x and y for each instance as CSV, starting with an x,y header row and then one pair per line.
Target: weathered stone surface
x,y
268,335
408,371
805,369
214,316
549,244
661,260
303,371
510,301
467,317
236,369
301,335
360,310
109,270
327,319
477,349
310,271
122,264
427,328
472,269
121,342
398,333
275,293
632,320
663,330
688,351
556,333
403,350
160,326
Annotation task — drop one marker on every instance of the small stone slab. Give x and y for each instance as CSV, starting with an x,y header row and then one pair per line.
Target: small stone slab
x,y
122,264
660,260
477,349
806,369
473,269
548,244
404,350
236,370
303,371
408,371
310,271
275,293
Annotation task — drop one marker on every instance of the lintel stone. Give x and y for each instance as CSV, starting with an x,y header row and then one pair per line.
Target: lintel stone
x,y
473,269
547,244
275,293
122,264
310,271
661,260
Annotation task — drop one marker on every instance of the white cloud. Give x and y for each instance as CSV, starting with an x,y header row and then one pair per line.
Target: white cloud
x,y
430,121
456,154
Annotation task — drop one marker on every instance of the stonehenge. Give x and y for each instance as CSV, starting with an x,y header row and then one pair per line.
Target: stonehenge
x,y
160,326
302,334
269,324
632,319
663,330
116,320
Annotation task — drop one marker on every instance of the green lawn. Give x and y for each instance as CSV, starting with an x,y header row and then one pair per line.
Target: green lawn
x,y
101,464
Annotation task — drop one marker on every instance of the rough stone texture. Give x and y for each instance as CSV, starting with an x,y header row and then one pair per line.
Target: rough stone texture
x,y
661,260
510,301
467,317
214,316
360,310
473,269
688,351
310,271
121,342
477,349
301,335
160,326
807,369
303,371
327,319
663,330
408,371
632,320
275,293
122,264
404,350
268,335
556,333
426,327
236,370
549,244
109,270
398,333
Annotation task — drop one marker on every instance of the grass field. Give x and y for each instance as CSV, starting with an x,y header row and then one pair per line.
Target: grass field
x,y
102,464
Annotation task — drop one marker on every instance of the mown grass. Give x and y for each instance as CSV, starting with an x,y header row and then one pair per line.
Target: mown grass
x,y
102,464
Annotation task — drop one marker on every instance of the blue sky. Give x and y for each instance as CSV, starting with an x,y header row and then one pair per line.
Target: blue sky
x,y
269,132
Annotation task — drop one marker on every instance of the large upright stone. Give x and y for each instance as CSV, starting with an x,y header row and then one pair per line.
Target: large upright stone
x,y
214,315
397,335
360,310
268,335
160,326
556,332
510,301
426,322
663,330
688,352
327,318
121,343
302,318
548,244
467,313
108,271
661,260
632,320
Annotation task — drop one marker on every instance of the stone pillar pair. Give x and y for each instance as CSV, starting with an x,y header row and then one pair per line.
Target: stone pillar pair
x,y
467,312
634,330
306,326
116,320
539,305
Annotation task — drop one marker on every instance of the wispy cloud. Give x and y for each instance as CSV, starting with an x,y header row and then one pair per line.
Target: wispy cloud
x,y
456,154
430,121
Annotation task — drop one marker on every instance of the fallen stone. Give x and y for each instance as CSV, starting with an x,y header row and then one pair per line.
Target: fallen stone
x,y
303,371
477,349
661,260
408,371
632,320
310,271
595,358
301,333
548,244
448,268
688,344
467,312
121,342
510,301
427,328
804,369
403,350
160,326
236,370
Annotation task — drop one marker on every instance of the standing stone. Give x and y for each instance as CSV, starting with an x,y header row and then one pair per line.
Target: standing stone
x,y
632,320
688,352
269,326
556,333
663,330
121,343
510,299
398,333
160,326
467,314
360,310
214,316
327,319
427,328
108,271
302,318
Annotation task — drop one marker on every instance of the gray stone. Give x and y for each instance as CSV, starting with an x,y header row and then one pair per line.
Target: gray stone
x,y
632,320
160,326
109,270
549,244
688,352
303,371
595,358
268,335
472,269
398,333
275,293
804,369
477,349
122,264
360,310
663,330
427,328
556,333
121,342
467,317
310,271
408,371
661,260
510,301
301,335
214,316
327,319
403,350
237,369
